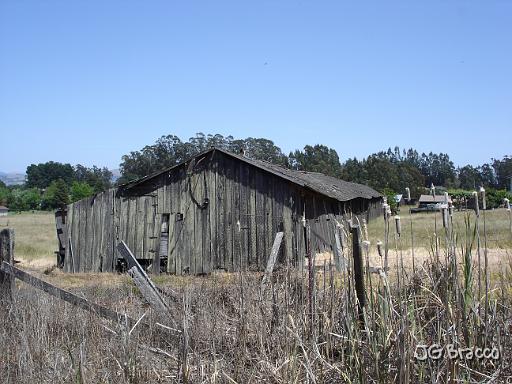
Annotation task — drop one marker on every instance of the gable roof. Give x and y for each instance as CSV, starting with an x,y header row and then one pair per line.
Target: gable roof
x,y
2,208
326,185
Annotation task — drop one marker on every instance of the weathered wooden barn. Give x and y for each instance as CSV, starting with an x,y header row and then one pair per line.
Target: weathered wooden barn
x,y
218,210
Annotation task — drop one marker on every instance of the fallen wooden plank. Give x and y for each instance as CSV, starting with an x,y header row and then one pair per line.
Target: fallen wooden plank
x,y
271,260
67,296
142,280
149,294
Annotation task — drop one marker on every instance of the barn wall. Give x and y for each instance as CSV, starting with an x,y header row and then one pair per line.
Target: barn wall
x,y
90,228
223,214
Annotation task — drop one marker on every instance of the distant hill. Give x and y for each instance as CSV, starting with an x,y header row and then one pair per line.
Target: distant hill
x,y
116,174
12,178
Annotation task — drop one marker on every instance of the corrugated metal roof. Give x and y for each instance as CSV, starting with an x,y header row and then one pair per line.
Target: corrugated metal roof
x,y
2,208
326,185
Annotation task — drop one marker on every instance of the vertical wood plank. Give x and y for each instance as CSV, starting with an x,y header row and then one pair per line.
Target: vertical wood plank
x,y
188,232
237,217
221,213
252,220
174,195
212,215
180,230
69,224
261,251
205,220
244,217
82,240
287,226
228,216
198,222
269,211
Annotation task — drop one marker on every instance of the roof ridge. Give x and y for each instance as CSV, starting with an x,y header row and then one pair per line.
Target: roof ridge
x,y
338,189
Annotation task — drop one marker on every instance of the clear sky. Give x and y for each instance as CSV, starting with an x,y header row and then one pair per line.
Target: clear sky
x,y
88,81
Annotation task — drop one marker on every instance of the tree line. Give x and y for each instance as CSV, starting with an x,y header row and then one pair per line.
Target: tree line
x,y
52,184
389,170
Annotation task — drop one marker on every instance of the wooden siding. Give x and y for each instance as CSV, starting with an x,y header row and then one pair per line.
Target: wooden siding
x,y
223,214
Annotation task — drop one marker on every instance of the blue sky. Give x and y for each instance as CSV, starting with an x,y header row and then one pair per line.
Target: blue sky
x,y
88,81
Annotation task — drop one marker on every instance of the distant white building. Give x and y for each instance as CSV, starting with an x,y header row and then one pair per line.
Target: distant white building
x,y
3,210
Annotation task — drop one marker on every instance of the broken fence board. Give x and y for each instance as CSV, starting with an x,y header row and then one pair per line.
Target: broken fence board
x,y
149,294
66,296
272,259
142,280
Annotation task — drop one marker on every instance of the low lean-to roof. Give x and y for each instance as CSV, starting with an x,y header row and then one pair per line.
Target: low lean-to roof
x,y
326,185
2,208
432,199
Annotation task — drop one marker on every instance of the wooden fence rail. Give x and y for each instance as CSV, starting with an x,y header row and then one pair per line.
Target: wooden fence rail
x,y
66,296
8,273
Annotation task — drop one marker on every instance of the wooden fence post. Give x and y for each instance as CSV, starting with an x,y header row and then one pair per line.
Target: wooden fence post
x,y
358,272
7,255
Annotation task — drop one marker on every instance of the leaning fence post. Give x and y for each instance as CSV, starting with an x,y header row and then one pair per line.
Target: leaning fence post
x,y
7,255
358,272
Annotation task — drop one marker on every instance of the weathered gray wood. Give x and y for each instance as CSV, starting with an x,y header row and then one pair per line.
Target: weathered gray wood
x,y
142,280
180,223
229,223
207,238
268,210
108,232
221,215
260,221
204,213
147,291
241,207
67,257
65,295
87,212
253,258
187,239
278,202
6,256
82,239
173,190
95,235
62,235
197,249
339,260
287,227
237,218
271,260
212,214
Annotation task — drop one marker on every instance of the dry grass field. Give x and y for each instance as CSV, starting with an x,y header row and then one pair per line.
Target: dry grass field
x,y
36,239
499,232
302,329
